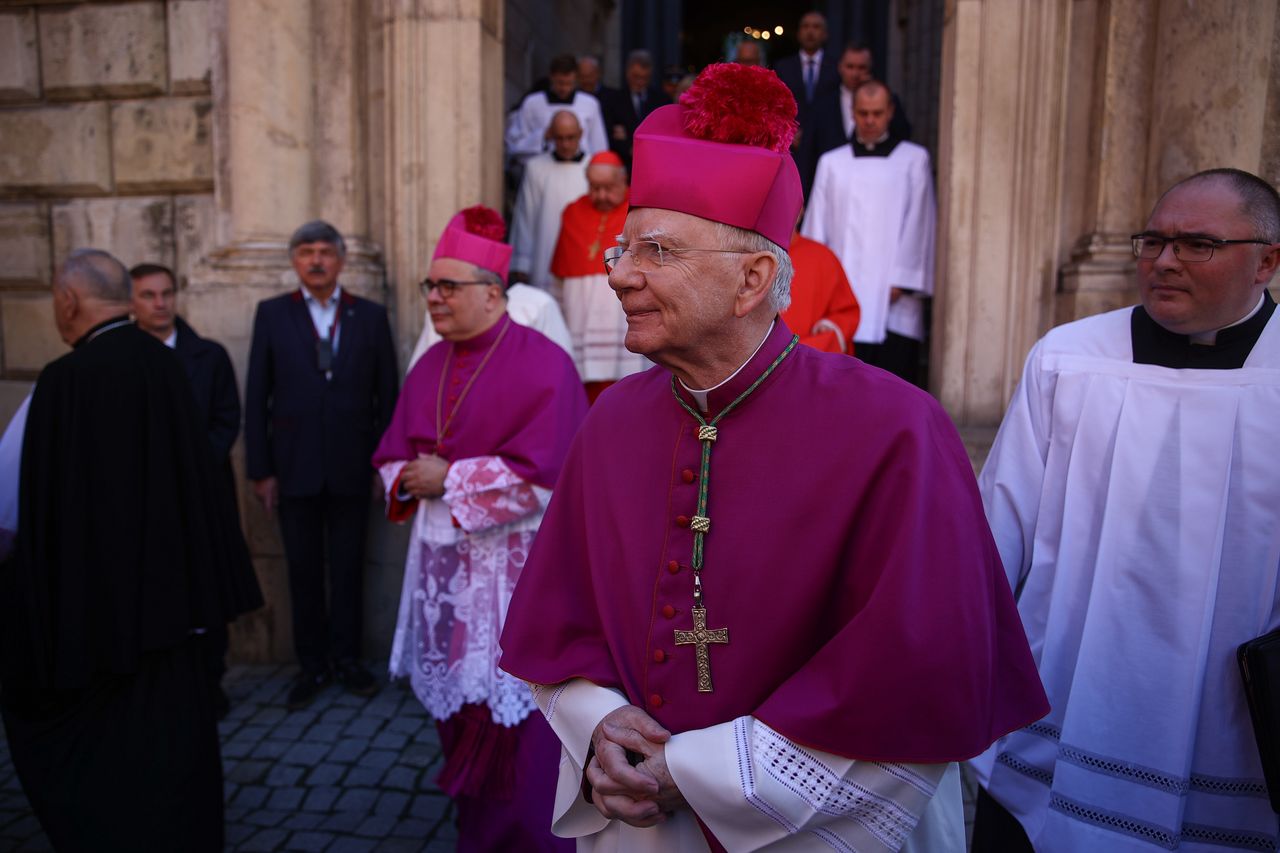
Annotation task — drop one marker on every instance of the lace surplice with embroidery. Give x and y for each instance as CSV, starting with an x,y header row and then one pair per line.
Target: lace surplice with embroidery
x,y
467,550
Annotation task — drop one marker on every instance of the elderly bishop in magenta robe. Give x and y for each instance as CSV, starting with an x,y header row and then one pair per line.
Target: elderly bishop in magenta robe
x,y
764,607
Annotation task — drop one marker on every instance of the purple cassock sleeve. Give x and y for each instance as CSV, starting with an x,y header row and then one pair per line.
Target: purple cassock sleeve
x,y
848,557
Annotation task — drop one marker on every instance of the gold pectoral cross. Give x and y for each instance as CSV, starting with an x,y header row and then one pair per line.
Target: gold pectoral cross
x,y
700,638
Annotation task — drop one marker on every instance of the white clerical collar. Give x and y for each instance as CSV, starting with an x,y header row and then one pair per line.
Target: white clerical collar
x,y
332,300
701,396
172,340
871,146
1211,337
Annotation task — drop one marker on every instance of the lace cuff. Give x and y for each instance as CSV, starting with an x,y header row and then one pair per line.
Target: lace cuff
x,y
483,493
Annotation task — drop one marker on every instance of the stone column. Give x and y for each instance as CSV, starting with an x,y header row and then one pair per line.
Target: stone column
x,y
1213,88
1112,163
1001,147
436,107
288,82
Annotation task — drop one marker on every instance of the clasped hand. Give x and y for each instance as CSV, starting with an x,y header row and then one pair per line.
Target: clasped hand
x,y
424,477
643,795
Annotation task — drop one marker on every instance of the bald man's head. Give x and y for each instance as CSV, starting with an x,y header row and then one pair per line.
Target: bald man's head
x,y
566,134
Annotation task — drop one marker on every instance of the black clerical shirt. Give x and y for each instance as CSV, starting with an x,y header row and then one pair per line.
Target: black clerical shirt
x,y
1154,344
880,149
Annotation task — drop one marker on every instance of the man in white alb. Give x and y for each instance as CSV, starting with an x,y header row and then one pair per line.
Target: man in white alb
x,y
528,125
872,204
1134,494
551,181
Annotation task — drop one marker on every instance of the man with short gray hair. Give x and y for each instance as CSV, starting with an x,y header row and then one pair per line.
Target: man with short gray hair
x,y
762,563
321,388
1134,494
121,562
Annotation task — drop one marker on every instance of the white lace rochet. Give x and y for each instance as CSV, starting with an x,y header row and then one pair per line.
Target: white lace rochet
x,y
458,580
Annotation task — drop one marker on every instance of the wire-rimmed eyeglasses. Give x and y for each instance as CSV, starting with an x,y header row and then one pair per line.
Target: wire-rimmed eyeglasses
x,y
1188,248
650,255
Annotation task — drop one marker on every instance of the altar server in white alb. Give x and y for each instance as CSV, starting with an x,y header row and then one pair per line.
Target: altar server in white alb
x,y
528,125
550,184
872,204
1134,493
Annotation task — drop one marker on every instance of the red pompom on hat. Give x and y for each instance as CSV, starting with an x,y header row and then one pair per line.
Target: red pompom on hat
x,y
484,222
475,235
741,105
722,153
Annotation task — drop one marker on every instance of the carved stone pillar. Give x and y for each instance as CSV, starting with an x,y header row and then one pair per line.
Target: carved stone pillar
x,y
1099,276
289,147
1001,146
435,84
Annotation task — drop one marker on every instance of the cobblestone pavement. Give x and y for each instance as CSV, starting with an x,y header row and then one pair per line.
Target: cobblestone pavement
x,y
346,775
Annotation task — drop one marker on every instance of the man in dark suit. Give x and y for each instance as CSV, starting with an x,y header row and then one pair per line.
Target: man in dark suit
x,y
812,71
322,387
213,382
812,78
627,107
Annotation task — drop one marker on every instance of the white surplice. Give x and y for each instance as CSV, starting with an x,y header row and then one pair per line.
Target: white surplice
x,y
1137,511
458,580
526,133
528,306
597,327
755,790
547,188
879,216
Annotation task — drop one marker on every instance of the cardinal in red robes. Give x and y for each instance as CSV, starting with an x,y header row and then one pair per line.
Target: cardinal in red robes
x,y
823,310
597,324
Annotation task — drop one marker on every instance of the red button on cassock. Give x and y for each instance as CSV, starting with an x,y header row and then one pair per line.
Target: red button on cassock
x,y
686,475
659,655
668,611
655,701
682,521
673,567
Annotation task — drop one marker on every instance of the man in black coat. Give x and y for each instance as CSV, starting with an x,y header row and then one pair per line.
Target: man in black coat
x,y
121,561
625,108
321,389
213,382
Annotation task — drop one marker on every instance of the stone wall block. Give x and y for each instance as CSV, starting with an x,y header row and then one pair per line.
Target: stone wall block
x,y
30,339
24,244
162,144
133,229
193,230
19,61
189,55
63,150
113,50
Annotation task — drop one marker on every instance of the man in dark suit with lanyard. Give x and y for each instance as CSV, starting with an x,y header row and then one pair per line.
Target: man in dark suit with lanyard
x,y
322,386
